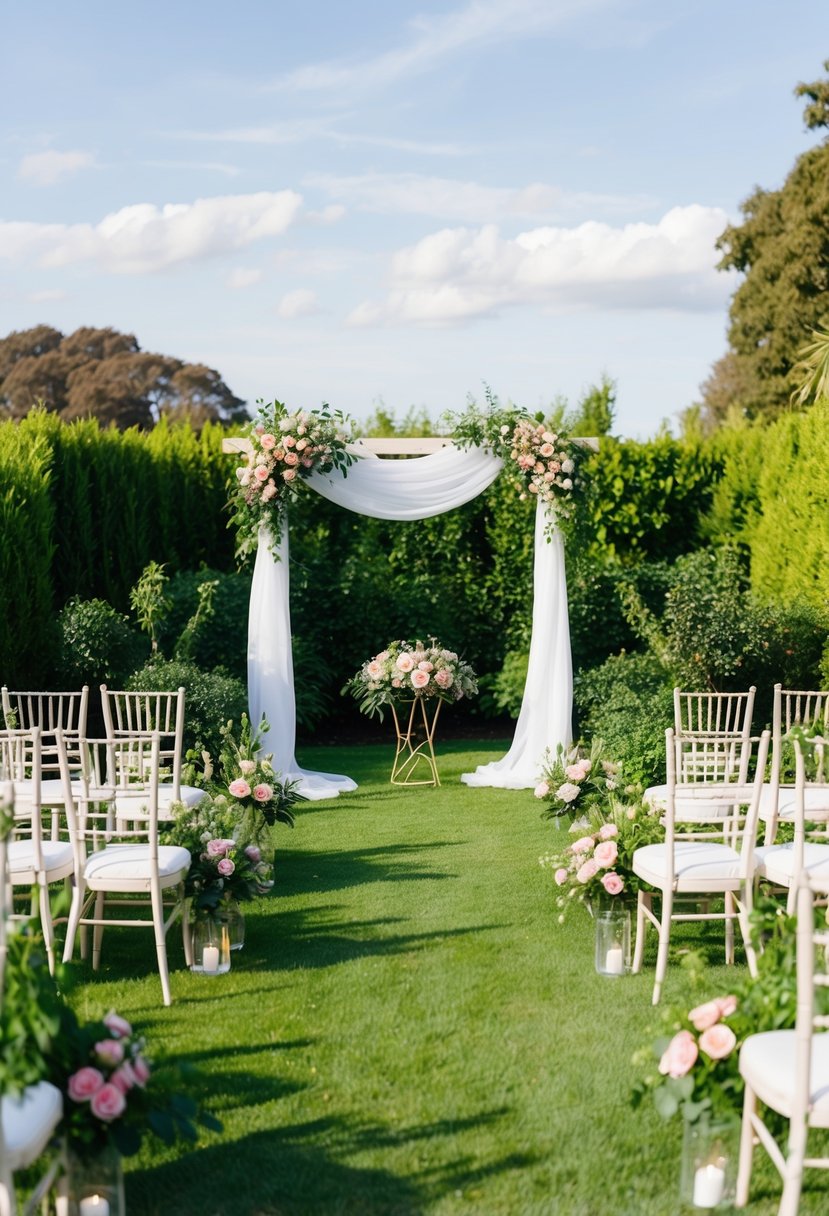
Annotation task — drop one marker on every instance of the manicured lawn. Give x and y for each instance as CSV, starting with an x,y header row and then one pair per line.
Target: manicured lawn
x,y
408,1030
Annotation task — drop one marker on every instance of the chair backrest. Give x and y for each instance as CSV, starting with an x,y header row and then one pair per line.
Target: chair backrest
x,y
809,980
713,732
95,824
48,712
794,708
139,714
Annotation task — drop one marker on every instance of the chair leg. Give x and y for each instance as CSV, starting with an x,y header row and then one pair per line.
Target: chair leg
x,y
745,905
46,921
161,945
793,1177
75,910
641,929
8,1203
187,936
729,927
791,899
98,930
664,939
746,1148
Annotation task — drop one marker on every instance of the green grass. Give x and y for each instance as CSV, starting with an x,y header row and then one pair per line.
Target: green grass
x,y
408,1030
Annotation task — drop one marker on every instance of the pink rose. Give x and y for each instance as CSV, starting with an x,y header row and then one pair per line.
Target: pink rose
x,y
268,442
607,830
123,1078
374,669
141,1071
405,662
425,665
289,441
215,848
680,1055
582,845
587,871
291,458
108,1103
444,678
226,867
84,1083
253,853
261,472
718,1041
263,792
541,790
110,1051
289,474
546,449
705,1015
606,854
575,772
567,792
396,683
117,1026
420,678
612,883
728,1005
561,877
239,788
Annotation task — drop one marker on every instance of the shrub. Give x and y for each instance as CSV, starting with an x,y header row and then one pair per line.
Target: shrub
x,y
221,639
628,703
596,594
503,693
97,644
211,699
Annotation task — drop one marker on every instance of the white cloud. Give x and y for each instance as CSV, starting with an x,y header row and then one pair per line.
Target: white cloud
x,y
243,276
47,168
467,202
299,303
143,238
435,37
48,296
458,273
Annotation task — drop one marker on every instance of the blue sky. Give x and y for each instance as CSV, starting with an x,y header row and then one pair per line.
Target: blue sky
x,y
366,201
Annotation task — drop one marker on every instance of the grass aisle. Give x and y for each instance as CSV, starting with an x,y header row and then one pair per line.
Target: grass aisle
x,y
407,1030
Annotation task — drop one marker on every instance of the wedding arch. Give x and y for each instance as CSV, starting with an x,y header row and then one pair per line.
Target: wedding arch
x,y
438,477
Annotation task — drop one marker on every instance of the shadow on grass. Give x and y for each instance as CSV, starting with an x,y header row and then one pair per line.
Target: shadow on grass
x,y
330,871
302,1169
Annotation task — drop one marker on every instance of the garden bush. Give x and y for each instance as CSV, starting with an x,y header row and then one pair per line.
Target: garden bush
x,y
628,703
212,698
221,640
97,645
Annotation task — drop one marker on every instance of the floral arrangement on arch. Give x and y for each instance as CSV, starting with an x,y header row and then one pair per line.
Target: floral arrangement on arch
x,y
405,670
106,1078
286,448
597,867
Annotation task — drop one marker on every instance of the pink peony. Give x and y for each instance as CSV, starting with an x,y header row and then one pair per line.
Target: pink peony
x,y
420,678
216,848
84,1083
607,830
718,1041
268,442
444,678
374,669
226,867
123,1078
108,1103
141,1071
541,790
253,853
567,792
263,792
680,1055
606,854
117,1026
612,883
405,662
705,1015
587,871
239,788
110,1051
561,876
582,845
575,772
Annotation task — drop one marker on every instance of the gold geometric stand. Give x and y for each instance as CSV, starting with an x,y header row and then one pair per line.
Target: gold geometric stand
x,y
415,743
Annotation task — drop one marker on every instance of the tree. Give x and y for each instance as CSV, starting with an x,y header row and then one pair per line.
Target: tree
x,y
782,249
105,374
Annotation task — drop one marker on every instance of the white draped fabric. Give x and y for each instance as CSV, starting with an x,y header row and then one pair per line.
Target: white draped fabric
x,y
407,490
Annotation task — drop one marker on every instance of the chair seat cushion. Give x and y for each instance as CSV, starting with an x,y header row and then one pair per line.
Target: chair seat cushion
x,y
699,866
51,791
126,867
57,860
776,862
126,803
688,810
29,1121
767,1062
815,799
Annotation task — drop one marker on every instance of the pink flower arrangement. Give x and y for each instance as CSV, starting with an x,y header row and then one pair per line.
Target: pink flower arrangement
x,y
543,463
411,669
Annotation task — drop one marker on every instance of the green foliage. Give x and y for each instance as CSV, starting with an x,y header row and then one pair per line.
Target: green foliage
x,y
596,411
218,639
628,703
149,602
97,645
211,699
504,691
30,1010
383,423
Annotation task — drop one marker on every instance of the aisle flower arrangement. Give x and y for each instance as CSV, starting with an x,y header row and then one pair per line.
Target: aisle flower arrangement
x,y
286,448
258,798
571,783
405,670
221,867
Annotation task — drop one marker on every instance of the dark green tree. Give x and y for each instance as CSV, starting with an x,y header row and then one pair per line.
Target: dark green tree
x,y
782,249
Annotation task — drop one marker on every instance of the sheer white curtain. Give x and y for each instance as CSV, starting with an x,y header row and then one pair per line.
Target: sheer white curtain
x,y
405,490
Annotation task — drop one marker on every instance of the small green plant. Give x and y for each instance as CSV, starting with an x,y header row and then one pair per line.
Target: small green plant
x,y
149,601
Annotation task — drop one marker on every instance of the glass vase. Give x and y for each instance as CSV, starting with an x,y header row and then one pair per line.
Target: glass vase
x,y
94,1184
211,945
709,1164
232,915
612,941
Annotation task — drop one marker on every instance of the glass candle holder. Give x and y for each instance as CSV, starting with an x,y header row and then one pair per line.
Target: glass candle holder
x,y
211,946
613,941
709,1164
233,916
94,1185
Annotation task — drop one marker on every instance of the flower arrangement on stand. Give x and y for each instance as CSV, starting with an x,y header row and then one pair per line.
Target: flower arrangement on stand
x,y
408,677
286,447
